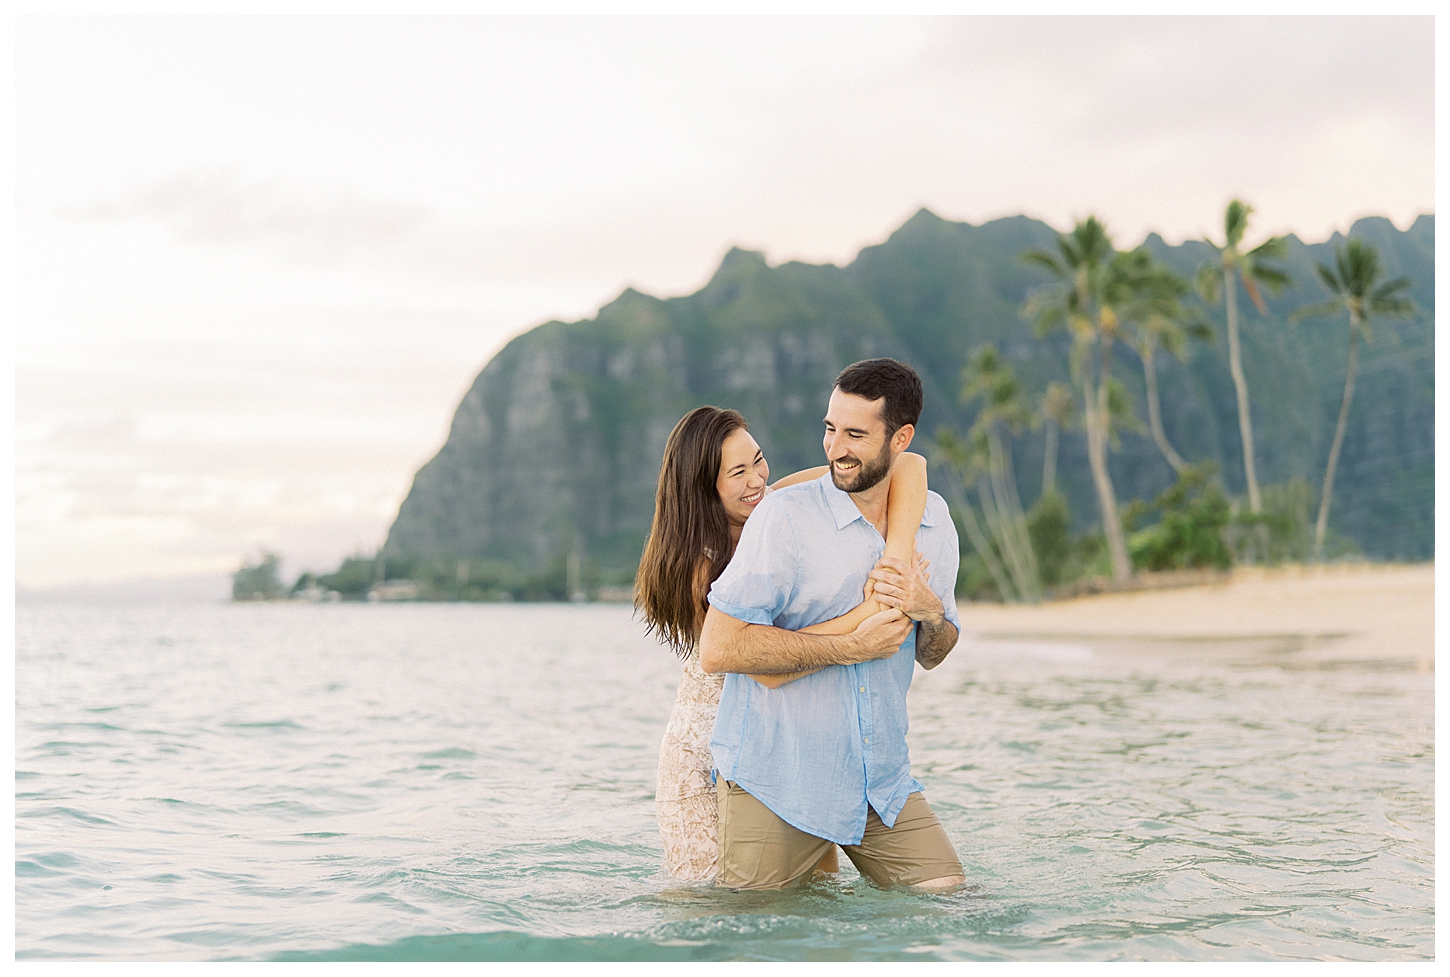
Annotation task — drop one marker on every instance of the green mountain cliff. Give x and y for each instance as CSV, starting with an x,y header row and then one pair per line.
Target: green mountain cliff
x,y
556,448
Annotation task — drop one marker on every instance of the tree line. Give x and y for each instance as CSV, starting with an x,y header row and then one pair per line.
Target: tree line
x,y
1108,300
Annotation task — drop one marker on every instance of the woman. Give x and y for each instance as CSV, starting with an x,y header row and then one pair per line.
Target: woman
x,y
711,479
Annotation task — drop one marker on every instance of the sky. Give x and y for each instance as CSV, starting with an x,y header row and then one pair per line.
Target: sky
x,y
260,260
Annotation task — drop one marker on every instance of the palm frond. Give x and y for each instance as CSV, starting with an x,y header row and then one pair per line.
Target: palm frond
x,y
1329,278
1274,249
1395,306
1208,280
1319,308
1058,405
1253,291
1347,262
1236,222
1386,292
950,451
1041,258
1175,340
1045,308
1274,278
1195,324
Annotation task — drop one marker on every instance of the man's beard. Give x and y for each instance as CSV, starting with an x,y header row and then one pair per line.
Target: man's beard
x,y
868,474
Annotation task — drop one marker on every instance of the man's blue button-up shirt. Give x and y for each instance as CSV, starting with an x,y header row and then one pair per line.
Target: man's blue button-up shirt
x,y
817,750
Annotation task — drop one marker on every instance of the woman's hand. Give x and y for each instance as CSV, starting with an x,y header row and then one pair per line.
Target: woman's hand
x,y
906,587
868,592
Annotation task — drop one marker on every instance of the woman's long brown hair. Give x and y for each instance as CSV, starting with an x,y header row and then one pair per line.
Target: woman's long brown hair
x,y
689,524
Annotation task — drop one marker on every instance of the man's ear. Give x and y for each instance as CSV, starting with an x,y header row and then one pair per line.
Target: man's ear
x,y
901,440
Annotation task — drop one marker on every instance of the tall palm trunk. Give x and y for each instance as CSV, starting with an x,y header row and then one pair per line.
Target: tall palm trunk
x,y
1013,524
1328,490
1095,420
1235,366
979,541
1049,459
1155,417
999,523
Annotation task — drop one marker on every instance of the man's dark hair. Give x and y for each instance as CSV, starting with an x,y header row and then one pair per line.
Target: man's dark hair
x,y
885,377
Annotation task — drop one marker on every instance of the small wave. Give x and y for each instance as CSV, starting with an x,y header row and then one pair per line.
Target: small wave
x,y
275,724
105,727
509,946
25,869
65,812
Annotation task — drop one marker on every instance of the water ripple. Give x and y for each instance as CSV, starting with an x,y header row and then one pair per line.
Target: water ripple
x,y
476,783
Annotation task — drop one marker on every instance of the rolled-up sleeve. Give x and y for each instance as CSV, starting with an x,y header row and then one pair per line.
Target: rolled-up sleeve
x,y
761,577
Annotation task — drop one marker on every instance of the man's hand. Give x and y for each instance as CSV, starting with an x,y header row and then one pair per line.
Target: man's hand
x,y
907,589
882,634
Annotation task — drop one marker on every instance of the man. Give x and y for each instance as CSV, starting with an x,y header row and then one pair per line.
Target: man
x,y
823,760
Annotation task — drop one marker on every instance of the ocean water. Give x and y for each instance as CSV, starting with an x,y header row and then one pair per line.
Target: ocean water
x,y
475,782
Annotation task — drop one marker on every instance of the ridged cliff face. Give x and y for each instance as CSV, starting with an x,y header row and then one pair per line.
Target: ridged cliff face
x,y
557,446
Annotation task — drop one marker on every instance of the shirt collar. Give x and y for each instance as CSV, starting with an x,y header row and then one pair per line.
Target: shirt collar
x,y
846,511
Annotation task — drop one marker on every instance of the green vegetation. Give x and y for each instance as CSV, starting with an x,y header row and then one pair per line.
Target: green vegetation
x,y
353,579
982,459
259,581
556,448
1279,533
1354,283
445,577
1231,266
1189,533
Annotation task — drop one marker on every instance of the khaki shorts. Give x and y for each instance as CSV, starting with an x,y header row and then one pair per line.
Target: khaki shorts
x,y
759,850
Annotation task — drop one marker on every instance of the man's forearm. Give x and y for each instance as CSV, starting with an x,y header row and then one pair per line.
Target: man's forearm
x,y
758,649
933,641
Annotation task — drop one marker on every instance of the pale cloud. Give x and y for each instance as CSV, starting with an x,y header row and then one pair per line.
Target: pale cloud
x,y
261,259
215,207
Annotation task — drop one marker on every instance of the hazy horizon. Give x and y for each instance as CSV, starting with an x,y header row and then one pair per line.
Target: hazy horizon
x,y
261,259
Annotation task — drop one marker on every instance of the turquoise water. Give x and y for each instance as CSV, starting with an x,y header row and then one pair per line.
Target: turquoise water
x,y
474,782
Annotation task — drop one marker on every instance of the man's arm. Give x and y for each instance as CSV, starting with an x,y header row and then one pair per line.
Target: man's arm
x,y
730,645
933,641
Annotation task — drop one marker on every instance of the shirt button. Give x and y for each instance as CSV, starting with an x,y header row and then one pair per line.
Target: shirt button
x,y
863,688
866,740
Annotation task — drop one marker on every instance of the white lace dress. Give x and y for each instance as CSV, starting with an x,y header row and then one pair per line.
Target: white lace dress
x,y
684,796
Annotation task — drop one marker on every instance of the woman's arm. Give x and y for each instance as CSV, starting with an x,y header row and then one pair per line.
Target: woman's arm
x,y
805,475
905,506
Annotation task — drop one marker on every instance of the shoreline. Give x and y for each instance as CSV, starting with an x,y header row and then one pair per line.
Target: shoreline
x,y
1383,610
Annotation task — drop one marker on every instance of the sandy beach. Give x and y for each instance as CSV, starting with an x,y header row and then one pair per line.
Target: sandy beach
x,y
1380,612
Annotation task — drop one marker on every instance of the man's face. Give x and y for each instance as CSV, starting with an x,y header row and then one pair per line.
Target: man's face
x,y
856,445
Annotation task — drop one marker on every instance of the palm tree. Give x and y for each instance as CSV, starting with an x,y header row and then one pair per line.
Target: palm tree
x,y
1056,412
989,378
1354,283
967,462
1247,266
1158,317
1093,283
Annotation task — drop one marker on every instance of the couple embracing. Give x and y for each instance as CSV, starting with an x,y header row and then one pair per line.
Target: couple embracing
x,y
801,610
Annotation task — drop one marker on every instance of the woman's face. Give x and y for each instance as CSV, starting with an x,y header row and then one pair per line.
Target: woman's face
x,y
743,474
